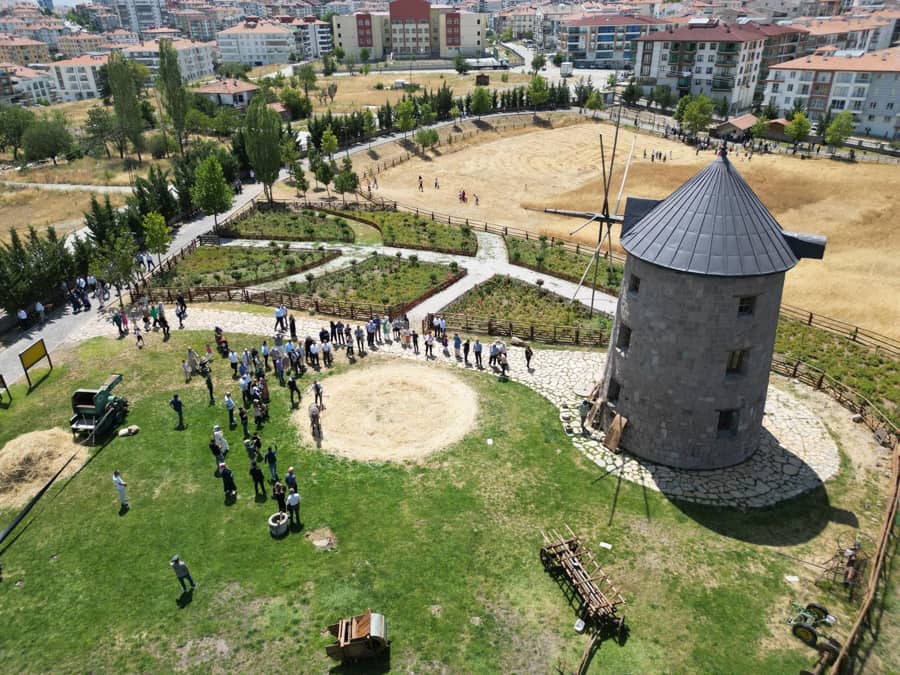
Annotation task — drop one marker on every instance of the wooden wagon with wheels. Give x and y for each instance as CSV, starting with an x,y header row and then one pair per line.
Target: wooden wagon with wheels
x,y
359,637
568,556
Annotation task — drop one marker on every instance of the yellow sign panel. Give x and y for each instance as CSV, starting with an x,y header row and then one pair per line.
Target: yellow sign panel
x,y
33,354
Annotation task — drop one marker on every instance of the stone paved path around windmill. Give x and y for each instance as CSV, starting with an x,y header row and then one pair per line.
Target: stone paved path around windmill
x,y
796,455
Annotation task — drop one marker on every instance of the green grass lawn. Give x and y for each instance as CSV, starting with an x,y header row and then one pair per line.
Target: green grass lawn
x,y
446,549
875,376
305,225
554,259
238,266
410,231
513,300
379,279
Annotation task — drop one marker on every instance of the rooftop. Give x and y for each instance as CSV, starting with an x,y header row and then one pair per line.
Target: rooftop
x,y
882,61
228,86
613,20
253,27
712,225
84,60
710,32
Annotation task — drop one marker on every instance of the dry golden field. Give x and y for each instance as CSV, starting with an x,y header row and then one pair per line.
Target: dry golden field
x,y
21,207
517,176
84,171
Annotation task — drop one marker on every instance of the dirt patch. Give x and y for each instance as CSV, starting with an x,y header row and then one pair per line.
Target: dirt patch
x,y
29,461
416,410
195,652
323,539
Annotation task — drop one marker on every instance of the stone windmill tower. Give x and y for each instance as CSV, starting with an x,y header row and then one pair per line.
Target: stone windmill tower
x,y
688,365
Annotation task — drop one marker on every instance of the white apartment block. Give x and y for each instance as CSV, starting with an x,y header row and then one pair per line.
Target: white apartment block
x,y
195,59
704,57
866,84
520,21
256,43
195,25
77,78
140,15
312,37
605,40
26,86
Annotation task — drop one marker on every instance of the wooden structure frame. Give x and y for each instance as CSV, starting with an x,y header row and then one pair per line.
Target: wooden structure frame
x,y
569,556
4,387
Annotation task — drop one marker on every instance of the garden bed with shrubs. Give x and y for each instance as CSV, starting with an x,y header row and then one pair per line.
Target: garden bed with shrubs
x,y
555,259
288,225
405,230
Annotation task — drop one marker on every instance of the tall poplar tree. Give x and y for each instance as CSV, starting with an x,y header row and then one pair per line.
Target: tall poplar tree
x,y
174,94
124,88
262,137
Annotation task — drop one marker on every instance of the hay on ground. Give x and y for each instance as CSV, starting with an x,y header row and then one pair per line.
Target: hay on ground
x,y
29,461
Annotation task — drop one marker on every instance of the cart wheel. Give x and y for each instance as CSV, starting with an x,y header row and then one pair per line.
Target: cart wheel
x,y
818,611
805,633
830,647
546,560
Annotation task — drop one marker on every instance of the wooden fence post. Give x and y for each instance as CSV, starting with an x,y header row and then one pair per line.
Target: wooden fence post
x,y
810,319
796,367
821,379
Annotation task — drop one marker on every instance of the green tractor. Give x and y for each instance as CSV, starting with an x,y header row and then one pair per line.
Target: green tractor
x,y
97,411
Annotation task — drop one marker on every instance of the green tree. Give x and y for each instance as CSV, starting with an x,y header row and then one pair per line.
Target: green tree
x,y
101,220
538,62
426,138
798,128
124,90
426,114
298,175
840,129
98,131
262,136
157,235
760,128
116,260
328,66
481,102
538,92
722,107
299,107
796,108
14,121
405,115
153,194
46,137
698,114
770,110
211,192
174,95
339,54
329,142
307,77
331,90
594,102
30,268
662,94
346,179
631,93
558,59
364,54
325,172
611,81
369,126
459,63
682,105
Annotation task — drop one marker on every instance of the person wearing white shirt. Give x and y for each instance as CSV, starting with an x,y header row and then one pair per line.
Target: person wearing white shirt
x,y
22,315
293,505
120,486
39,308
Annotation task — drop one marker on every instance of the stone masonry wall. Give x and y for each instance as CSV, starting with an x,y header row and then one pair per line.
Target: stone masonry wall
x,y
673,374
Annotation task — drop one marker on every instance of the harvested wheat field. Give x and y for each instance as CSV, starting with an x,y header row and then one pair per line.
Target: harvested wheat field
x,y
413,411
516,177
29,461
21,207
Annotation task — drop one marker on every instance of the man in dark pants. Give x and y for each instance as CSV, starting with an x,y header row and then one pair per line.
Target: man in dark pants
x,y
318,391
415,341
477,347
182,572
294,389
209,388
293,506
359,341
176,405
259,482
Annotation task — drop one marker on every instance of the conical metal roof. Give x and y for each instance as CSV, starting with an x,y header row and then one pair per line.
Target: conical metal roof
x,y
713,225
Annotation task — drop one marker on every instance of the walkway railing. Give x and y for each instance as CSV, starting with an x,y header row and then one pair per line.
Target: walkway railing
x,y
545,333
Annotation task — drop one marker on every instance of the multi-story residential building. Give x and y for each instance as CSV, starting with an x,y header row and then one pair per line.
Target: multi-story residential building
x,y
76,44
161,33
312,37
229,92
195,59
78,78
605,41
15,49
783,43
868,33
121,36
256,43
26,86
704,57
139,15
100,17
412,28
520,21
788,9
866,84
47,31
195,24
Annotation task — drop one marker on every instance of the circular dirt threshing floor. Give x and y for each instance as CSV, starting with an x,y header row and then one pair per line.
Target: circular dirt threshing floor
x,y
392,412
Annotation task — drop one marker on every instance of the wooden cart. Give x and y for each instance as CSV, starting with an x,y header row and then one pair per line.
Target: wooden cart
x,y
568,556
358,637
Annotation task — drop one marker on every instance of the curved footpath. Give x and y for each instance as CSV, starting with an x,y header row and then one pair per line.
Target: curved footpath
x,y
797,453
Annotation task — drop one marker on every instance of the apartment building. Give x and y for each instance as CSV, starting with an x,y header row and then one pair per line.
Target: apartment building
x,y
865,83
121,36
26,86
76,44
195,59
195,24
78,78
704,57
605,41
521,21
21,50
139,15
229,92
312,37
412,28
256,43
868,33
100,17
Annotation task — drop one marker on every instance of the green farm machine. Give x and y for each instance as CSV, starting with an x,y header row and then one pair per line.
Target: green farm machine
x,y
96,411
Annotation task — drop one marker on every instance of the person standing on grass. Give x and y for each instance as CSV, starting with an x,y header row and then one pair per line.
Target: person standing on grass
x,y
182,572
528,354
272,460
176,405
229,406
457,343
221,441
293,505
228,484
259,483
466,351
233,360
164,324
117,320
120,486
187,371
290,478
294,389
278,493
477,348
138,338
265,354
292,325
319,394
209,388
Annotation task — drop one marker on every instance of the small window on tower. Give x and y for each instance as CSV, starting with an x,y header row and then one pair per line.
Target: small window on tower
x,y
746,305
737,362
612,394
634,283
623,342
728,422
